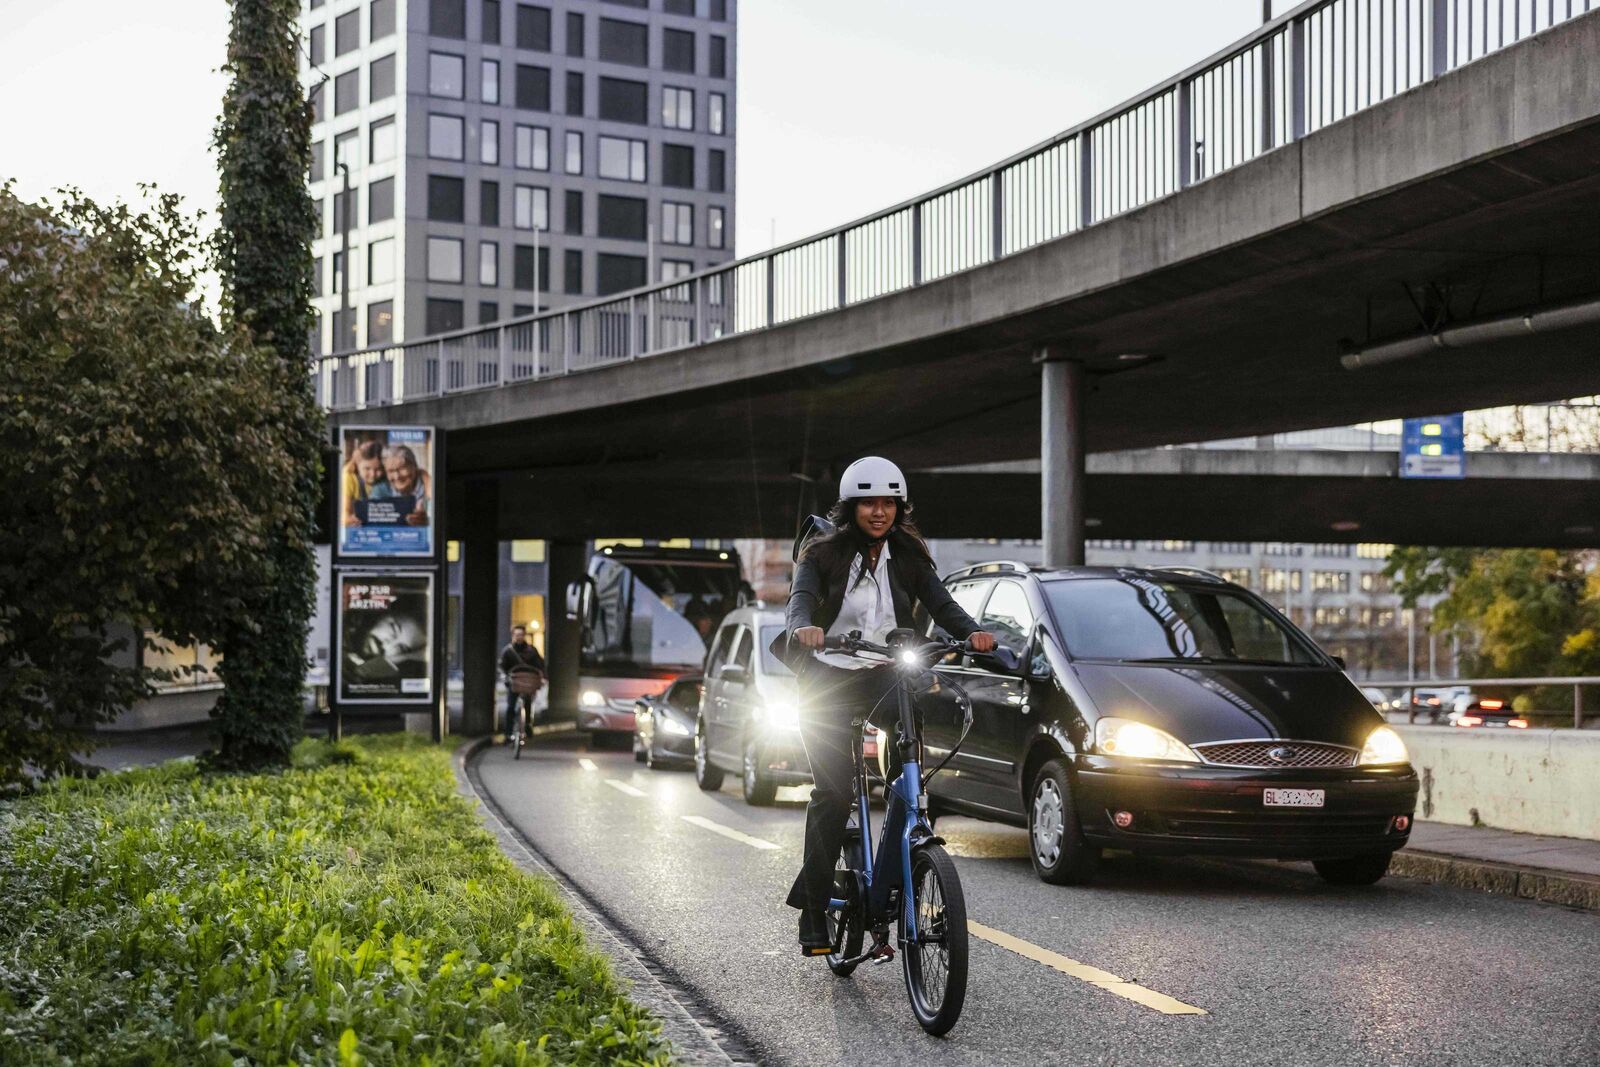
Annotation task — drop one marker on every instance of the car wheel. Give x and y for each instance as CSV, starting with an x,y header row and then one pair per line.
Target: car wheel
x,y
1354,870
706,774
1055,838
759,788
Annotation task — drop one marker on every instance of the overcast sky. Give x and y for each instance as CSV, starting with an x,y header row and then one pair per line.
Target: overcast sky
x,y
845,106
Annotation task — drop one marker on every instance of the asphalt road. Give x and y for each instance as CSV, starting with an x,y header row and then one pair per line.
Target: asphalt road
x,y
1286,969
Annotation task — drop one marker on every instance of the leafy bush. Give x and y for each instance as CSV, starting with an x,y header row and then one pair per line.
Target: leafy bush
x,y
347,910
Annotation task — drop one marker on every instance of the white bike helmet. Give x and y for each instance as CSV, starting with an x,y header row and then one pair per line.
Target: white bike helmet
x,y
872,476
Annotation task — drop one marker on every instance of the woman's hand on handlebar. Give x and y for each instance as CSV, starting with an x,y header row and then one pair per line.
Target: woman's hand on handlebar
x,y
809,636
981,641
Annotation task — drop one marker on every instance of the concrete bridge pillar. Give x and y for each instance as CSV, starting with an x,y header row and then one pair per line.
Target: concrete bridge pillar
x,y
565,562
481,624
1062,457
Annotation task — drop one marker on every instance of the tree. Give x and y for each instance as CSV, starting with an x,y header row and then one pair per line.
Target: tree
x,y
263,142
142,477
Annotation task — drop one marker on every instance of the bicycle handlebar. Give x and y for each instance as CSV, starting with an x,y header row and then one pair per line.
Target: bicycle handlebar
x,y
852,643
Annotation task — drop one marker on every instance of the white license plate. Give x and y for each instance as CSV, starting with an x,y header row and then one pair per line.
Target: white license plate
x,y
1293,798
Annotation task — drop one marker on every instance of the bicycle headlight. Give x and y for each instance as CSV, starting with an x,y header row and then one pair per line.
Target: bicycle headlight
x,y
1136,740
909,658
1383,747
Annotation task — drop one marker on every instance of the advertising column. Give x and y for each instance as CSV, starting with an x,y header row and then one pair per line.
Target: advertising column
x,y
387,611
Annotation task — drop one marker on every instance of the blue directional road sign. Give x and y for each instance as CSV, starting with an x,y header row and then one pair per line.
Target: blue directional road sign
x,y
1432,448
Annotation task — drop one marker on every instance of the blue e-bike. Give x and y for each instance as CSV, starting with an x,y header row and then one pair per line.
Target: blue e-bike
x,y
906,877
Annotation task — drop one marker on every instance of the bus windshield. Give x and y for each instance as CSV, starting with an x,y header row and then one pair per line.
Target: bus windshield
x,y
658,611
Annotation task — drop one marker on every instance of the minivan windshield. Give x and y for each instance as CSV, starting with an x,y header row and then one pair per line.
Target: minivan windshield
x,y
1134,619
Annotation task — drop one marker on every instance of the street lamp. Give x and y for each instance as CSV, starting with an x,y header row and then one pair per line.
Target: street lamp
x,y
346,327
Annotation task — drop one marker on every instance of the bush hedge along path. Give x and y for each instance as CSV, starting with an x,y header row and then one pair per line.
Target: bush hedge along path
x,y
348,910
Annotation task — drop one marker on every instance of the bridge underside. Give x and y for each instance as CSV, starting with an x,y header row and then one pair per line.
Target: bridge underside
x,y
1474,195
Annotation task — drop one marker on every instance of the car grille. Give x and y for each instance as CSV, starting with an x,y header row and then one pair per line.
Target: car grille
x,y
1269,826
1276,754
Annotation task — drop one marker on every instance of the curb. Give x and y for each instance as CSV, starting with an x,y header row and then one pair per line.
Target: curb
x,y
694,1038
1501,879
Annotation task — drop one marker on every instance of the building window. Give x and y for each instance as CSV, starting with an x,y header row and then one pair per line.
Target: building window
x,y
344,151
719,57
336,265
347,33
344,331
317,45
529,270
315,174
625,42
491,22
380,148
573,215
316,276
533,88
677,108
380,201
714,295
622,158
381,23
677,223
574,92
448,18
347,92
623,217
533,28
719,10
488,263
443,316
1369,550
1281,548
446,137
716,120
380,262
1236,575
444,259
572,272
340,202
446,197
671,269
530,208
1375,582
1330,581
717,170
314,97
677,51
489,81
624,101
677,166
532,148
616,273
678,7
380,322
574,34
1231,548
446,75
488,312
380,79
488,203
716,219
489,142
574,152
1330,616
1274,580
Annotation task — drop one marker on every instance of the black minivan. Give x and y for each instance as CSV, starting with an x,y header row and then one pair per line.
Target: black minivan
x,y
1162,711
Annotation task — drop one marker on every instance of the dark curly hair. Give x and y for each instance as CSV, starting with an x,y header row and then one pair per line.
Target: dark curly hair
x,y
834,552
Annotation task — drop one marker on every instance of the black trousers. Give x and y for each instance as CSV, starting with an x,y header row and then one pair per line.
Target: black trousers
x,y
830,698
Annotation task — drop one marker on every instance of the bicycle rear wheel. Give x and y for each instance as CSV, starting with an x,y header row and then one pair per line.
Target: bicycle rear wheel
x,y
851,917
935,964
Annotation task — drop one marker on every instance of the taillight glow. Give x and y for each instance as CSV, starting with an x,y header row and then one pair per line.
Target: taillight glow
x,y
1492,705
1521,724
1469,720
1434,701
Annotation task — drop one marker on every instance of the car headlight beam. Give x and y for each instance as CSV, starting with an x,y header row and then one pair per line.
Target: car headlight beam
x,y
674,727
1136,740
1383,748
592,698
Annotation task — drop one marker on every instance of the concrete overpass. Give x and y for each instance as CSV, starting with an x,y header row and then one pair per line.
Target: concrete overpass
x,y
1360,205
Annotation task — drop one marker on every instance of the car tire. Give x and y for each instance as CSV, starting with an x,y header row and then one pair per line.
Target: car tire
x,y
1056,845
759,789
640,754
1354,870
707,775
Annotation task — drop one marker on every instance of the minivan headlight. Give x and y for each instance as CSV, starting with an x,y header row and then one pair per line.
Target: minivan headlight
x,y
781,715
1383,747
1136,740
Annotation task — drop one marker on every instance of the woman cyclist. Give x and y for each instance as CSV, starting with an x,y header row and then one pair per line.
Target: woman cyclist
x,y
868,574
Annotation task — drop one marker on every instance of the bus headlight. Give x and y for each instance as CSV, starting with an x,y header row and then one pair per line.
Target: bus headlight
x,y
592,698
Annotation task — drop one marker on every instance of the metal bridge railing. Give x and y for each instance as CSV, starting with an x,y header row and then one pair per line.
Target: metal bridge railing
x,y
1315,65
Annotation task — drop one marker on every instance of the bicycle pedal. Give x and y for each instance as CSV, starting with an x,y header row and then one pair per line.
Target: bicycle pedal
x,y
886,956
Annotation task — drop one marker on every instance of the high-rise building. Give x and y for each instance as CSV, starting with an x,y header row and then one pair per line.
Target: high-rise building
x,y
505,157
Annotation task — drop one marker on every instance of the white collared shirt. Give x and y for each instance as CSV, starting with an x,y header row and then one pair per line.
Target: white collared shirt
x,y
868,606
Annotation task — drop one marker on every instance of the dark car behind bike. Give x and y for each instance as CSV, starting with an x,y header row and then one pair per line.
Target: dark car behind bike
x,y
1165,711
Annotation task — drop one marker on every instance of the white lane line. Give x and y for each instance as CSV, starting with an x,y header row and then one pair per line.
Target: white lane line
x,y
587,764
624,787
728,832
1084,972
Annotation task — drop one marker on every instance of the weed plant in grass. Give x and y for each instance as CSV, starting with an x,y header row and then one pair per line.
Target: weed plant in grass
x,y
349,910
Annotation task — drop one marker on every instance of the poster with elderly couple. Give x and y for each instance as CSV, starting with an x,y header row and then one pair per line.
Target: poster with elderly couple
x,y
385,655
386,491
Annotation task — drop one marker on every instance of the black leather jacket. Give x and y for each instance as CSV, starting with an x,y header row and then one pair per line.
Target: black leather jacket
x,y
814,601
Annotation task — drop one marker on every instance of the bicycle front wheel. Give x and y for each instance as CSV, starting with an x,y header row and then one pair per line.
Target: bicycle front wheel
x,y
935,964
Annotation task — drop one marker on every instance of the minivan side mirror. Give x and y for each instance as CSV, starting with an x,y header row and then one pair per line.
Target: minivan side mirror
x,y
1340,661
1001,657
735,676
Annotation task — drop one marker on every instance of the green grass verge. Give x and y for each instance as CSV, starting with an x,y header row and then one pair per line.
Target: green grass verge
x,y
350,910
